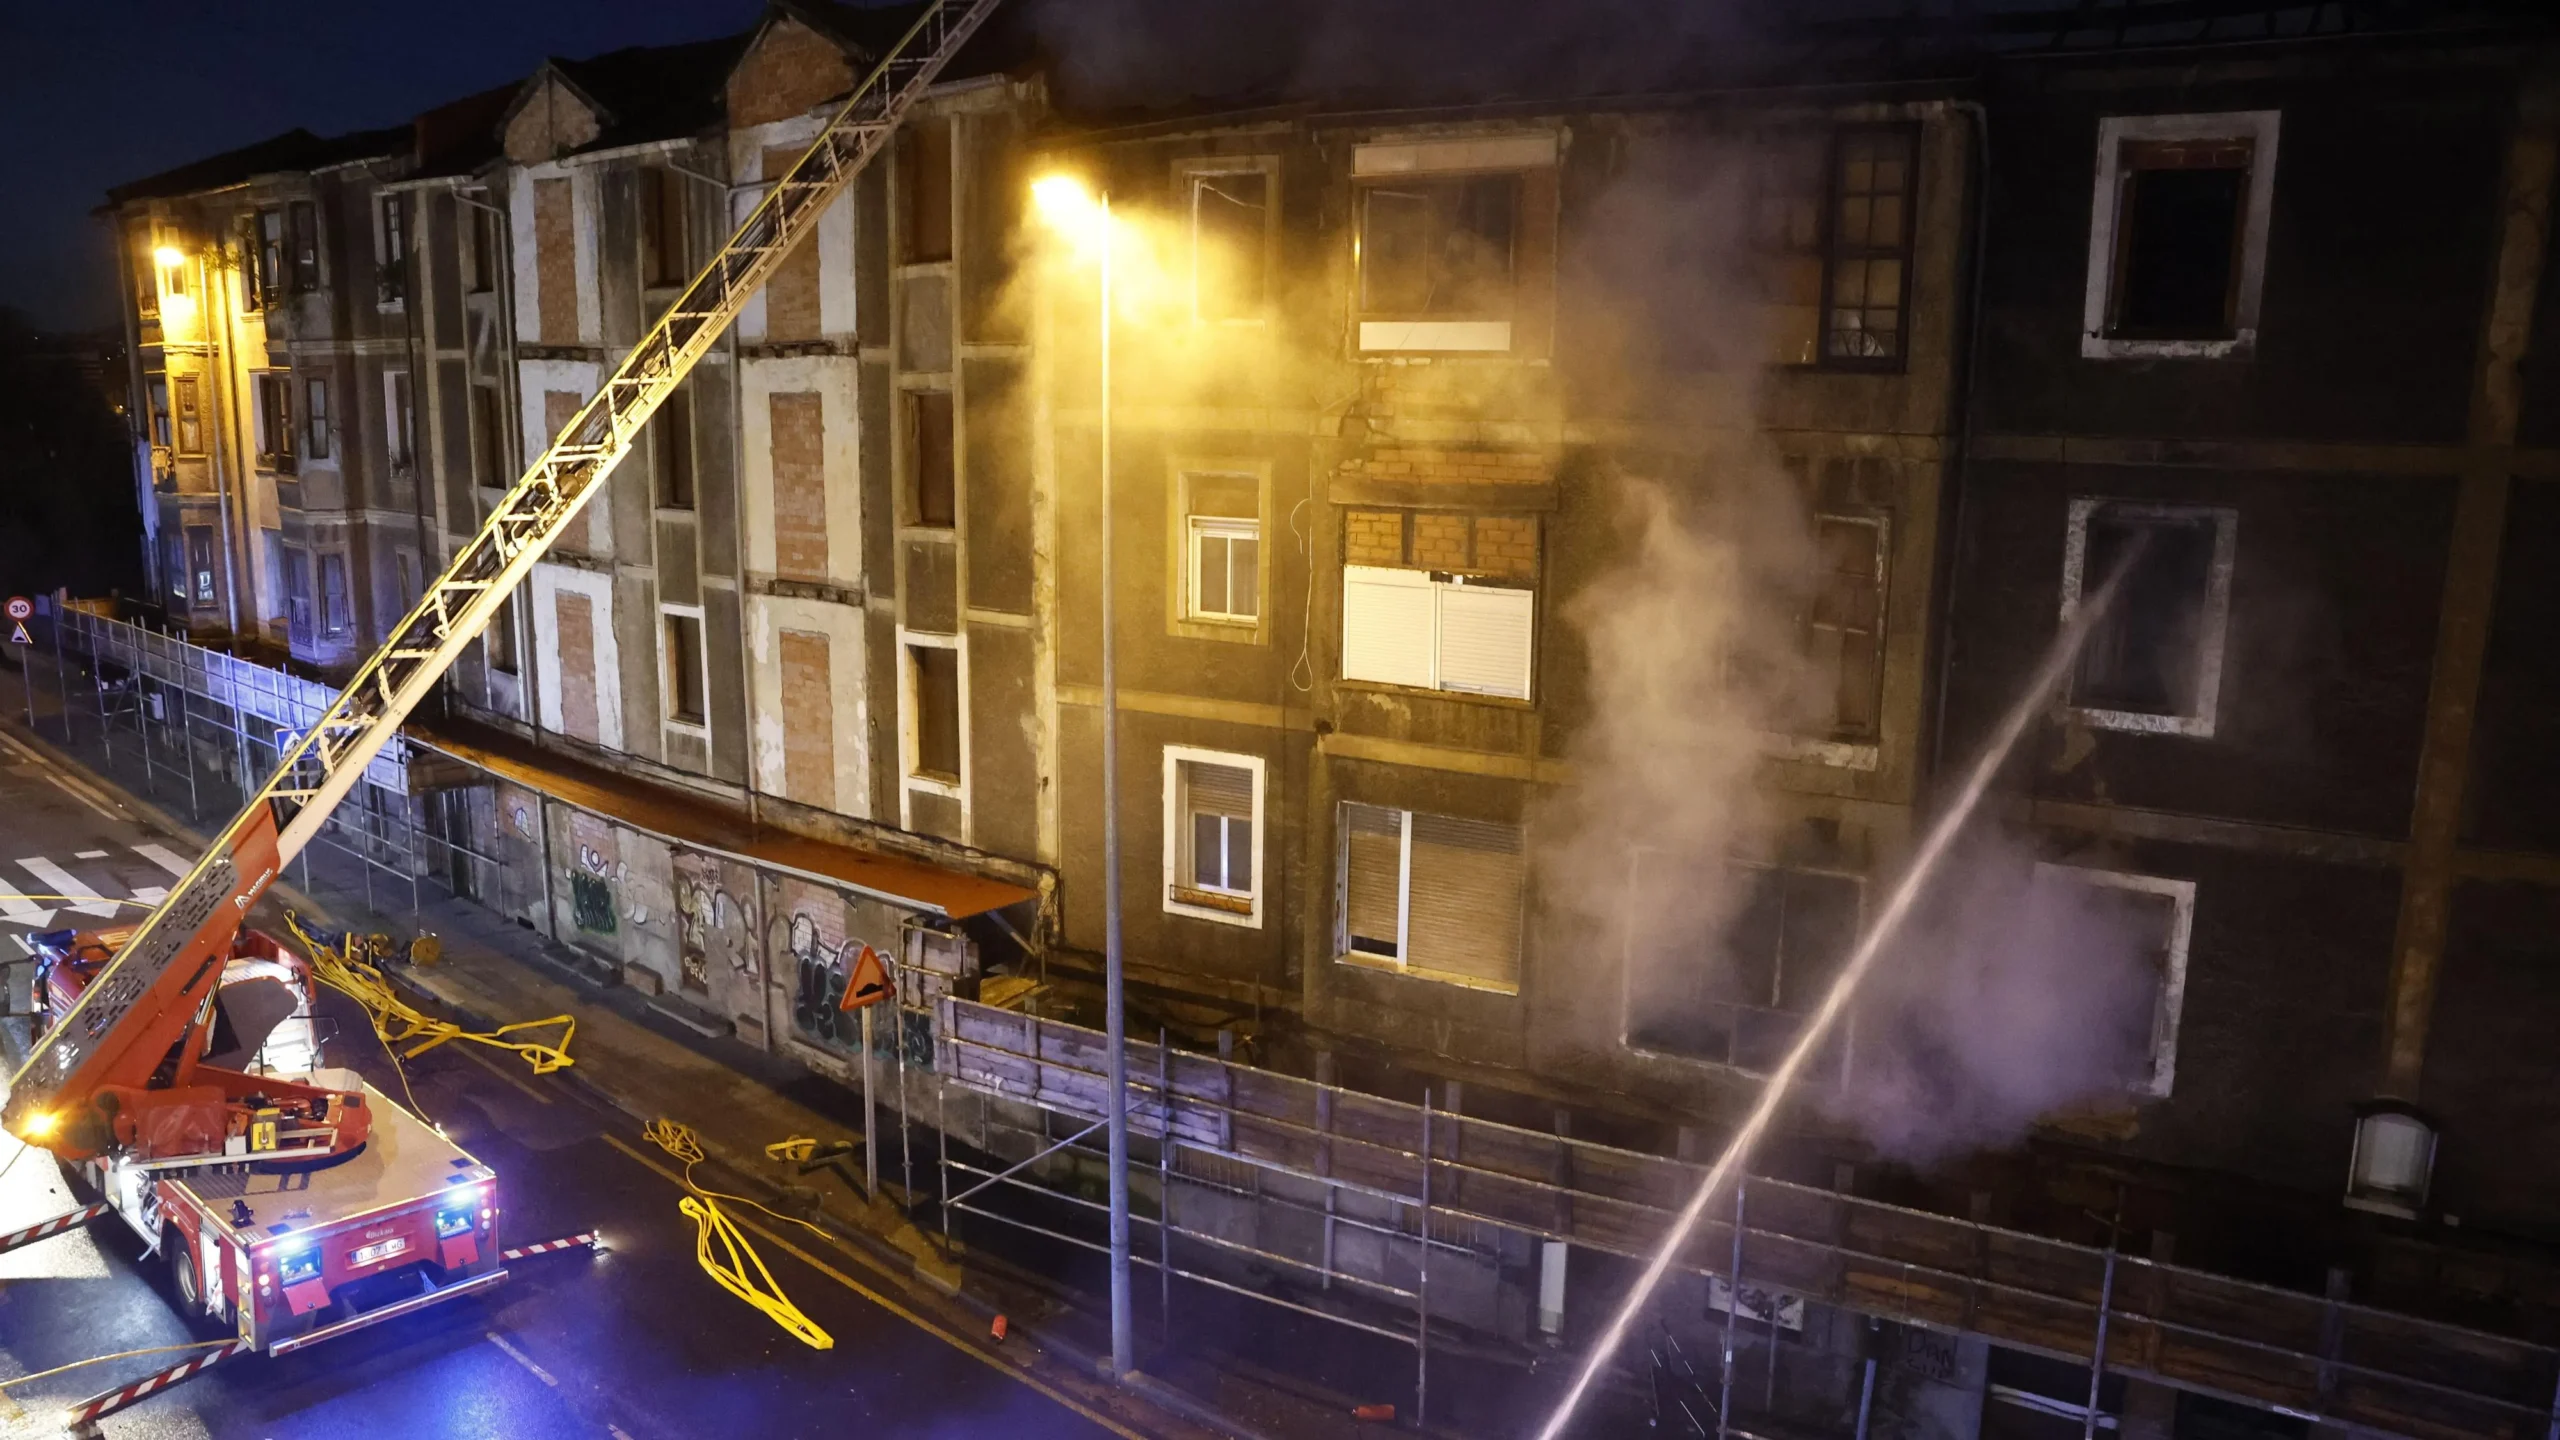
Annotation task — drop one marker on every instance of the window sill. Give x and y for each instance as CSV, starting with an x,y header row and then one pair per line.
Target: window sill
x,y
1224,632
1862,755
1238,910
934,783
2139,722
699,729
2240,346
1392,967
1470,697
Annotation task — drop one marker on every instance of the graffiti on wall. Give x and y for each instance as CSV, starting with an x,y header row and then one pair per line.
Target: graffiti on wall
x,y
591,866
713,934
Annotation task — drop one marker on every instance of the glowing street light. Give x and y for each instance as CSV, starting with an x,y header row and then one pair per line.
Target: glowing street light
x,y
1083,218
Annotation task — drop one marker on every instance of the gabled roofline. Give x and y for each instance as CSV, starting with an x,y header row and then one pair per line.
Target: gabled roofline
x,y
553,68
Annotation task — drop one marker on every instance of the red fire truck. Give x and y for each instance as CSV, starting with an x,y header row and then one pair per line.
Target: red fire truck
x,y
290,1219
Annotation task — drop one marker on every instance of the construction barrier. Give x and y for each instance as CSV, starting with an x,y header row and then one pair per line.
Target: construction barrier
x,y
98,1407
47,1229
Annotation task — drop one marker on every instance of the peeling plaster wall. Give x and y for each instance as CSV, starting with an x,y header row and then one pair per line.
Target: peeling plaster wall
x,y
549,583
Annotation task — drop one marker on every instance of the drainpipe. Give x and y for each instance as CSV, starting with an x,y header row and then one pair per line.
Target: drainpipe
x,y
1959,469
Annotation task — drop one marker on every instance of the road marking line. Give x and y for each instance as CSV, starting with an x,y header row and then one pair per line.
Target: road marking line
x,y
473,1055
162,856
77,791
89,855
151,894
523,1359
63,882
929,1327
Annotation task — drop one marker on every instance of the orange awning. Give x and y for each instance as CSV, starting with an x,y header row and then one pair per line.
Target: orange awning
x,y
699,825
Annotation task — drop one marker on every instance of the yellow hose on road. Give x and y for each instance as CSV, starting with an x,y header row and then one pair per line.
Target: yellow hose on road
x,y
730,1263
399,1023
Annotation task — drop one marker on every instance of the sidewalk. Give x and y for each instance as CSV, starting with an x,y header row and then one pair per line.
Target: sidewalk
x,y
647,1064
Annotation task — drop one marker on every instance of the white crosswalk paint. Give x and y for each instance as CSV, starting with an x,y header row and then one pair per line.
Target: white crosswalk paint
x,y
24,911
89,855
63,882
165,858
151,894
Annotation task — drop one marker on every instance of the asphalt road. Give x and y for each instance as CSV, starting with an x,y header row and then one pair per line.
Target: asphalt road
x,y
635,1342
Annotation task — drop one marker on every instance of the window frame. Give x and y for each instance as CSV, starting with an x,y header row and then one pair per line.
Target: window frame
x,y
315,416
1735,869
303,263
669,710
912,402
911,715
1192,175
1401,963
275,420
1198,529
399,419
1834,176
1439,583
186,401
301,596
1832,747
390,251
340,620
2213,624
1517,332
1177,839
2169,1010
2098,306
273,252
162,420
202,575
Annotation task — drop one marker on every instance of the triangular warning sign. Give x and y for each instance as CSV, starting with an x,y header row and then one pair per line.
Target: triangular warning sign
x,y
18,634
869,984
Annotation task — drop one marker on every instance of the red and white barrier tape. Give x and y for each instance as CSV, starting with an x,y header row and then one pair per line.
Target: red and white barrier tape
x,y
99,1406
45,1229
586,1241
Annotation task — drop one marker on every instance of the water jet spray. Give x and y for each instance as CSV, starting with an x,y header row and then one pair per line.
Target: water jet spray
x,y
1897,907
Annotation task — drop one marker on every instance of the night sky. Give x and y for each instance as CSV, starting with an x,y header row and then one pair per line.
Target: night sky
x,y
100,92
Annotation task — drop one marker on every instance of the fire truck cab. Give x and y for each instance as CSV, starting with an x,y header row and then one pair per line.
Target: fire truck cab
x,y
273,1232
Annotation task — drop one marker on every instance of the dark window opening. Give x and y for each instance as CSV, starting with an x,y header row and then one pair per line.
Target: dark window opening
x,y
1743,1004
684,668
271,256
297,592
930,464
2146,653
392,269
498,642
480,251
303,245
663,231
1866,279
159,402
2181,210
488,437
1439,247
335,618
924,184
673,451
937,710
275,422
1230,236
315,410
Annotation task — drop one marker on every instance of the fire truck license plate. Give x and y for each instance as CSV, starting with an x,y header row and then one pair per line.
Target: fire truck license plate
x,y
379,1250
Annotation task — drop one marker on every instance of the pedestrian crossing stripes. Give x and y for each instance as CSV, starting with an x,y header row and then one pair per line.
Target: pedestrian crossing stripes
x,y
41,875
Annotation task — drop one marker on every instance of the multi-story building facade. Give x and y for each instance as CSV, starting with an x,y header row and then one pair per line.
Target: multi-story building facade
x,y
1569,541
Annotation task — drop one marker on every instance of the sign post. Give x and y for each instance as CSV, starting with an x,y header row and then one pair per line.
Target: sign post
x,y
20,607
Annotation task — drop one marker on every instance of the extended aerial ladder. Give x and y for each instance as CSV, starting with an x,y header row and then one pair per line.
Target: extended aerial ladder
x,y
121,1070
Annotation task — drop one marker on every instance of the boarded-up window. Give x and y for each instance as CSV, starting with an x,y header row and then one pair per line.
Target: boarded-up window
x,y
924,191
799,486
936,718
574,616
559,407
1433,895
555,262
808,719
791,296
335,616
930,472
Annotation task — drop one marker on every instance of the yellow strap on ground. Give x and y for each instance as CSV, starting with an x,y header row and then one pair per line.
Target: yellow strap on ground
x,y
399,1023
729,1266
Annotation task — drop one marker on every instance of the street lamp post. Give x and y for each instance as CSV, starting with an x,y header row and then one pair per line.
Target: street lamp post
x,y
1066,206
1115,1020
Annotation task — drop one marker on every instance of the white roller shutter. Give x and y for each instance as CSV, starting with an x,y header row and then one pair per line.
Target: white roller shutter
x,y
1389,624
1486,636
